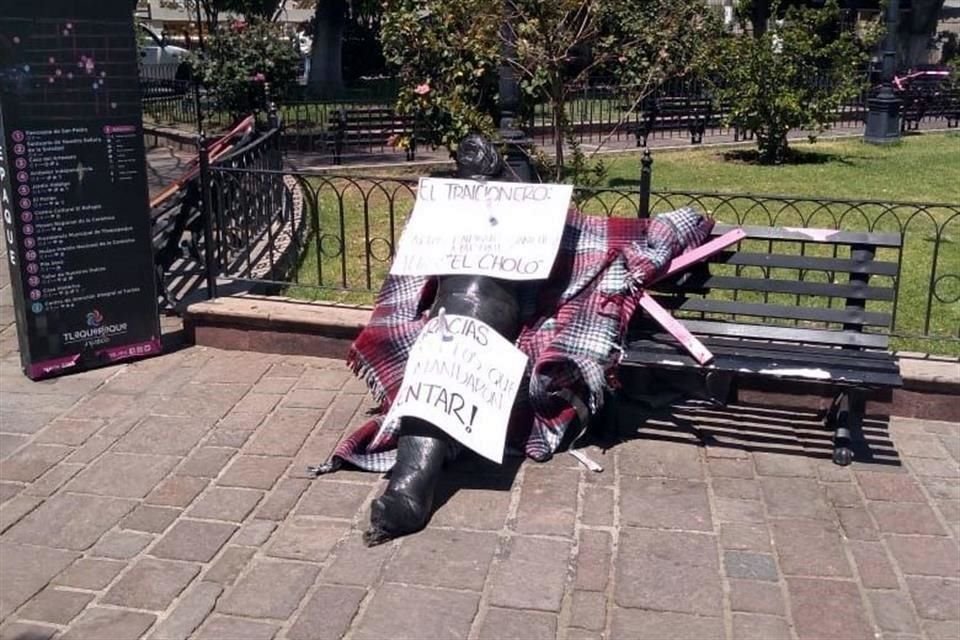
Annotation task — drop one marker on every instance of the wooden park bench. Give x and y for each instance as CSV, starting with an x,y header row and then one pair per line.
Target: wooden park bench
x,y
370,127
786,305
669,113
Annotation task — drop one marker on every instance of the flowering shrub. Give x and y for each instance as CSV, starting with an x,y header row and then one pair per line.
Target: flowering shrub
x,y
241,59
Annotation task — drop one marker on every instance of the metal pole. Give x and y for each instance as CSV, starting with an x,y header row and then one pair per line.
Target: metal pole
x,y
646,173
196,82
517,160
883,109
206,210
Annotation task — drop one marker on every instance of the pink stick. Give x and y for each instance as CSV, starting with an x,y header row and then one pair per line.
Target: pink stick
x,y
704,251
675,328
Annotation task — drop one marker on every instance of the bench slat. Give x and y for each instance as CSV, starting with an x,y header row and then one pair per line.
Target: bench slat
x,y
852,316
797,287
762,365
814,235
801,354
806,263
787,334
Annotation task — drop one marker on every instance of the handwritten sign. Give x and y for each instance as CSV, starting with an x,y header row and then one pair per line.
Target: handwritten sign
x,y
507,230
463,379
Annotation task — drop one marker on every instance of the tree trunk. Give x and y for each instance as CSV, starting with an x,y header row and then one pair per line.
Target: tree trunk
x,y
917,29
326,68
759,16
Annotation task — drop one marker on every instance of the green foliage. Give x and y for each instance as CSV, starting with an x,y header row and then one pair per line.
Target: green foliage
x,y
243,62
796,74
447,53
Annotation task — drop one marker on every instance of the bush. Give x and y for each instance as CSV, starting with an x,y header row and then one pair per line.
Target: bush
x,y
796,74
241,60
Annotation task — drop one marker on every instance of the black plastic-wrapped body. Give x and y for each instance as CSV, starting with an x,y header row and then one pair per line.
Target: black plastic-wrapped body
x,y
422,448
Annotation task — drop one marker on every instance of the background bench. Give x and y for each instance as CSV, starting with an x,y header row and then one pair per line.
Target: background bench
x,y
370,127
789,305
674,113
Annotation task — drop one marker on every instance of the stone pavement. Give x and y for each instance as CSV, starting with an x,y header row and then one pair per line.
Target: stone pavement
x,y
167,499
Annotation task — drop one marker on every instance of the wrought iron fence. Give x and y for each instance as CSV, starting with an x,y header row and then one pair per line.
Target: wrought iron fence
x,y
174,103
601,111
681,110
341,243
190,246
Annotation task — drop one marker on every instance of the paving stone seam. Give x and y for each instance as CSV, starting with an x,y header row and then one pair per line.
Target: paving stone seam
x,y
371,590
726,610
504,538
331,557
551,537
10,524
932,503
610,592
261,551
565,614
781,578
868,605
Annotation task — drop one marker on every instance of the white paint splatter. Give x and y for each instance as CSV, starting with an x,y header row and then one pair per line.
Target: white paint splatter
x,y
818,374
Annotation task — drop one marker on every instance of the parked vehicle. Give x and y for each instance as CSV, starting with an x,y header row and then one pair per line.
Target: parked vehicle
x,y
160,60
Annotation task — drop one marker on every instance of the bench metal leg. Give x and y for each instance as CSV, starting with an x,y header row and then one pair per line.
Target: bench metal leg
x,y
845,417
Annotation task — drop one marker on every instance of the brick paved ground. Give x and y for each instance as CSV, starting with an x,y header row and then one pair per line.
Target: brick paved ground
x,y
167,499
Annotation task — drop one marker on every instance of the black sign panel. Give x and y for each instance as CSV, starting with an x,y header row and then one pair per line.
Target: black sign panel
x,y
74,187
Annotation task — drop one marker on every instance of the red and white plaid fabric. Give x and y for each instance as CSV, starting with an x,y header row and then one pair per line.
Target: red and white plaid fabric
x,y
573,328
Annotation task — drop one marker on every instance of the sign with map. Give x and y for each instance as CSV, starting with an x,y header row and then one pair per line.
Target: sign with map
x,y
73,185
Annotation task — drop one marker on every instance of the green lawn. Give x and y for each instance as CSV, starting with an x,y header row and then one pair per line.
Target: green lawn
x,y
921,168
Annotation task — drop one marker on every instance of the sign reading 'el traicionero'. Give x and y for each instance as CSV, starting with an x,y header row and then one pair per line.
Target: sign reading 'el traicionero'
x,y
73,185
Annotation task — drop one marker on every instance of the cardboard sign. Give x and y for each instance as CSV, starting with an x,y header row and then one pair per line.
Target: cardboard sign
x,y
508,230
462,378
73,185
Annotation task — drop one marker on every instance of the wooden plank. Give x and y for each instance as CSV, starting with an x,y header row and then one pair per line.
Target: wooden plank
x,y
696,349
703,252
787,334
858,290
786,312
822,236
806,263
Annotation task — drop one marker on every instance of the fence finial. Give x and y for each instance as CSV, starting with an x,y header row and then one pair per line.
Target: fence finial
x,y
646,173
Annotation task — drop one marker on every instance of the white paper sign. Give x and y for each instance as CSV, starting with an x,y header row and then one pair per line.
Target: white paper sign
x,y
464,381
508,230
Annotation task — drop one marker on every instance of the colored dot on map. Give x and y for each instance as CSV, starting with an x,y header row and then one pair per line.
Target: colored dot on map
x,y
16,39
52,60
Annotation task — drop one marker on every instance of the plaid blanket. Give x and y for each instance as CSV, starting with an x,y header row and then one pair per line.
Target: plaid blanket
x,y
573,328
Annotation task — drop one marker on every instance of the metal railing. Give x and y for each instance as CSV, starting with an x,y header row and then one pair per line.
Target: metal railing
x,y
196,227
341,244
598,112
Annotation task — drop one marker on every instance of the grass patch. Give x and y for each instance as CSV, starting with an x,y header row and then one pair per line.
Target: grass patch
x,y
921,168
